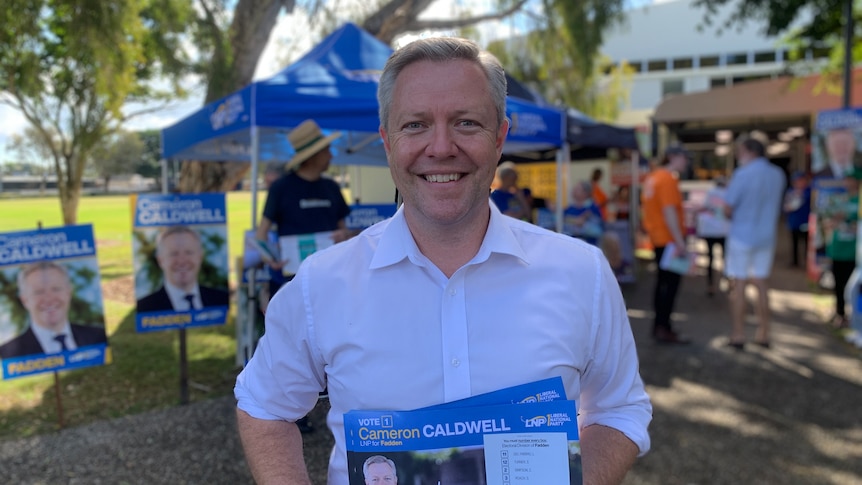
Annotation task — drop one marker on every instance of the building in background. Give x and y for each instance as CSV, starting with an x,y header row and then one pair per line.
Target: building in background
x,y
681,65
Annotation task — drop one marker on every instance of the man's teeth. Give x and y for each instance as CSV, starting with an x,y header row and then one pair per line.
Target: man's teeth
x,y
443,177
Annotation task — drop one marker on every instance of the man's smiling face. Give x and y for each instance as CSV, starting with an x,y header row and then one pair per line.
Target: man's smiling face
x,y
442,141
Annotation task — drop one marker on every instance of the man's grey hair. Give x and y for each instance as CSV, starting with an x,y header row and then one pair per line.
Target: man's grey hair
x,y
442,49
27,270
378,459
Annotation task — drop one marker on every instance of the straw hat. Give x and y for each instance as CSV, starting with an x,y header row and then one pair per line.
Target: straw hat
x,y
307,139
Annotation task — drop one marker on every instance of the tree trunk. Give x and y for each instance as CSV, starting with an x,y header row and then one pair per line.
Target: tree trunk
x,y
69,200
234,65
198,177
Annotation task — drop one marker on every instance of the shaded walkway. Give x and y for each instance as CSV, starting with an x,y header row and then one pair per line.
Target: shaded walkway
x,y
788,414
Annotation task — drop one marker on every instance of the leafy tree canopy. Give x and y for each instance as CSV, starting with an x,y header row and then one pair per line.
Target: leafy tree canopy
x,y
69,67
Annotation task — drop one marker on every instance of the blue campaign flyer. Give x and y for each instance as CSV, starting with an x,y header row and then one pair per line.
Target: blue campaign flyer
x,y
550,389
363,216
530,443
51,310
181,260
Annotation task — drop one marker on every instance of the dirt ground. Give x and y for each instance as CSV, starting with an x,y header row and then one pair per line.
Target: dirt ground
x,y
785,415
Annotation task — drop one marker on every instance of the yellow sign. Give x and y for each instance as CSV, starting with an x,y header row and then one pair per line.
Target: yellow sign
x,y
540,178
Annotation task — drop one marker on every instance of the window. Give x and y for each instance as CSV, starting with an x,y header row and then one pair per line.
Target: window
x,y
765,56
820,52
717,82
737,58
657,65
671,86
753,77
683,63
709,61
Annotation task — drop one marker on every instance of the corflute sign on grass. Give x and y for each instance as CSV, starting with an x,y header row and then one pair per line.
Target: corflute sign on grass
x,y
51,311
180,260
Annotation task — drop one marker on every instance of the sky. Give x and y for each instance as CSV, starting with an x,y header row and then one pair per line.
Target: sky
x,y
272,60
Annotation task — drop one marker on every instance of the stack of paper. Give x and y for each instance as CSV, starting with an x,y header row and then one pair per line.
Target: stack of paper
x,y
526,434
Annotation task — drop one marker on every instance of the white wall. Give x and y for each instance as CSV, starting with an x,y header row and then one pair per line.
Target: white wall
x,y
372,185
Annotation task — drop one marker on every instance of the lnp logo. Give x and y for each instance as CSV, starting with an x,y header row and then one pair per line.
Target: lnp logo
x,y
535,422
227,112
528,399
84,355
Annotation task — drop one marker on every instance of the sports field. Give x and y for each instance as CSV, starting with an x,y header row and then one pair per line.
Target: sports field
x,y
145,371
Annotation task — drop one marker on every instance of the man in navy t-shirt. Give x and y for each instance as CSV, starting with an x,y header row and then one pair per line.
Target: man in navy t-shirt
x,y
302,201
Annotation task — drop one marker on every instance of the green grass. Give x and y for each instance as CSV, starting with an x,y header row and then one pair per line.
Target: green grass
x,y
144,373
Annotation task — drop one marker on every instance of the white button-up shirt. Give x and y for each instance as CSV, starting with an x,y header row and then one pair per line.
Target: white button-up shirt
x,y
384,328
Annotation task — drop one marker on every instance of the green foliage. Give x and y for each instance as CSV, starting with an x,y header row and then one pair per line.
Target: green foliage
x,y
118,154
69,67
150,165
581,26
539,62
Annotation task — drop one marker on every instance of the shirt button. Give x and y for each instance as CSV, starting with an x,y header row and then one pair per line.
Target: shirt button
x,y
455,362
452,291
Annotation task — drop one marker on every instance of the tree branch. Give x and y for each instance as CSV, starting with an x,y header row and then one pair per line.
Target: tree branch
x,y
442,24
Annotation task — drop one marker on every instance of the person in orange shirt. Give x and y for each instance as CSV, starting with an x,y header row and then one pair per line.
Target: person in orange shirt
x,y
661,202
600,198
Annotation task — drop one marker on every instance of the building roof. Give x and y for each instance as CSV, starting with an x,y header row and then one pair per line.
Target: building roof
x,y
784,97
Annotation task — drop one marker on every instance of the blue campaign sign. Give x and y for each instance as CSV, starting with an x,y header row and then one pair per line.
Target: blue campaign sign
x,y
363,216
52,317
181,261
837,119
436,428
155,210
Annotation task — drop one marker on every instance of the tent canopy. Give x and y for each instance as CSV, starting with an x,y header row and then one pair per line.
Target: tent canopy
x,y
336,85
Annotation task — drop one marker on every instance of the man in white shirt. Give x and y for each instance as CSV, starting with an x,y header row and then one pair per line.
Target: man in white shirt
x,y
180,253
447,299
840,149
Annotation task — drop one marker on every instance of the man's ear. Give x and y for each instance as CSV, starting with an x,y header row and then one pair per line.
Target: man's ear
x,y
385,138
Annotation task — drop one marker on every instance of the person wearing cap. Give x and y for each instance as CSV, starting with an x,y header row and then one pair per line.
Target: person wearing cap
x,y
303,201
664,223
448,298
753,204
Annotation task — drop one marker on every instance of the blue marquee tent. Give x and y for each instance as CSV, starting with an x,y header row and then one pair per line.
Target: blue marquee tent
x,y
335,84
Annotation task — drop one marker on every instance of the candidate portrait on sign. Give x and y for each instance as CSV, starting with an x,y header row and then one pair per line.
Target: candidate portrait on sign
x,y
45,290
179,254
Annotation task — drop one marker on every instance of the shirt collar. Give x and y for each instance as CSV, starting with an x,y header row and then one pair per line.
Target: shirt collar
x,y
839,170
397,243
46,337
178,296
